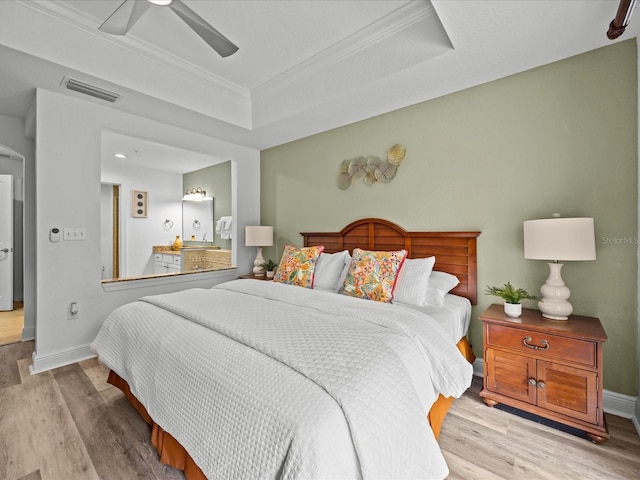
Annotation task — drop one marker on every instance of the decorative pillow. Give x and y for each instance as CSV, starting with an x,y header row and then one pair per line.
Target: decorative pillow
x,y
329,270
413,280
440,283
298,265
372,275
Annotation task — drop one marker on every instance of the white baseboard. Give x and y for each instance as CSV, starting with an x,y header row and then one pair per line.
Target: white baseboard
x,y
28,334
614,403
478,367
60,359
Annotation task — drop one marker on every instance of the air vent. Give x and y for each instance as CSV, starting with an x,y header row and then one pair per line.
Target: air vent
x,y
91,90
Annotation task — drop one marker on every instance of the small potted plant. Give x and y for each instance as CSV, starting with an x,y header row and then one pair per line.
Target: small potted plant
x,y
512,298
270,267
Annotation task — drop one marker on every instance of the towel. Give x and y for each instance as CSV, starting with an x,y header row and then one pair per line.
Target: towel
x,y
223,228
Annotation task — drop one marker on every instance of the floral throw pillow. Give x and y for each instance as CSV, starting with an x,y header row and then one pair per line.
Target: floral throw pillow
x,y
298,265
372,274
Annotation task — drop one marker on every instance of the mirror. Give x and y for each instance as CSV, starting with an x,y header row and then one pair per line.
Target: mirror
x,y
129,241
197,220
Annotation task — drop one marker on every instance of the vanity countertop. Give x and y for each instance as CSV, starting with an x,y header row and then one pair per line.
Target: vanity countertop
x,y
168,249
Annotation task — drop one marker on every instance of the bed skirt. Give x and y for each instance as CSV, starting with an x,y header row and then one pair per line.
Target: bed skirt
x,y
173,454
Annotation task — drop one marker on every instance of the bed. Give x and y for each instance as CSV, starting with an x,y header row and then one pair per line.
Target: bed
x,y
254,379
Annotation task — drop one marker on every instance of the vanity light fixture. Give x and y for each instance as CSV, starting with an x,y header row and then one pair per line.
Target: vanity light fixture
x,y
196,194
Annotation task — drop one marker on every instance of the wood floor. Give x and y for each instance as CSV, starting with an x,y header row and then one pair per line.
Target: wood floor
x,y
70,424
11,324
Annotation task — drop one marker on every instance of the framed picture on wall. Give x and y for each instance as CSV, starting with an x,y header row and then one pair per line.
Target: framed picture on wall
x,y
139,204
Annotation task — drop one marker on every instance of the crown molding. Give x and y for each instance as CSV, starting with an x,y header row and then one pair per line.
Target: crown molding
x,y
351,46
72,17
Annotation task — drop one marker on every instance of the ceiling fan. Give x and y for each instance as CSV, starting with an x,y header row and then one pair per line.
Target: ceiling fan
x,y
130,11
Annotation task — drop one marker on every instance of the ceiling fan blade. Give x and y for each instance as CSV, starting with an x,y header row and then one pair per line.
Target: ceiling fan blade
x,y
214,38
123,18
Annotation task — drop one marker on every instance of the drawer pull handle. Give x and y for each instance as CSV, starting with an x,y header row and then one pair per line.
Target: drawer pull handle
x,y
544,346
541,385
532,381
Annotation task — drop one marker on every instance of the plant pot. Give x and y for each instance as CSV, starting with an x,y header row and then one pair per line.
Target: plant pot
x,y
271,273
513,309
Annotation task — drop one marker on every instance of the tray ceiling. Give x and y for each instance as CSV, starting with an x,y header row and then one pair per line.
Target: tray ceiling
x,y
303,66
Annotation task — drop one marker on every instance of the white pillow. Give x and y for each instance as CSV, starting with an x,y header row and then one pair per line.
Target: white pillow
x,y
330,271
440,283
413,280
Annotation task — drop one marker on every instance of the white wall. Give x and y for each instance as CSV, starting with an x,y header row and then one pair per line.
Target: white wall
x,y
68,135
13,136
139,235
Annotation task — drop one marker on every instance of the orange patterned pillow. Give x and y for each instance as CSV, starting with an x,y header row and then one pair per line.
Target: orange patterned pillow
x,y
298,265
372,275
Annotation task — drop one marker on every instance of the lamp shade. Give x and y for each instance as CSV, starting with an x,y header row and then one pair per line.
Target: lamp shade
x,y
560,239
258,236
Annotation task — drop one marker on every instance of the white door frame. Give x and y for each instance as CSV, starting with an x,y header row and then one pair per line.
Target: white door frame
x,y
6,242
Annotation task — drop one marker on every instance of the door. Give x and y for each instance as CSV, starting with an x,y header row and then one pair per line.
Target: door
x,y
509,374
6,242
568,390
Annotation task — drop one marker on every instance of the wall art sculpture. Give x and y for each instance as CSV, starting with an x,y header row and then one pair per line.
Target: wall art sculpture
x,y
371,169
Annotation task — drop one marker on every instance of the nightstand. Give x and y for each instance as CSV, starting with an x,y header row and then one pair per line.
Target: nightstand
x,y
546,367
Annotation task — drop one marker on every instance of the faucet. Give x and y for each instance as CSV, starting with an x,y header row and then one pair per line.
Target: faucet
x,y
204,237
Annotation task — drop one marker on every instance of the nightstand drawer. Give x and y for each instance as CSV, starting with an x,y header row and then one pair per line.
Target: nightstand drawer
x,y
542,345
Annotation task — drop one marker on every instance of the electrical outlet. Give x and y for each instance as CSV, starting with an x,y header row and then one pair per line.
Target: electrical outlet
x,y
74,311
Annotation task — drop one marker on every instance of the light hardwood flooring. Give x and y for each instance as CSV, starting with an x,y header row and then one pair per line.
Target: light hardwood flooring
x,y
11,324
485,443
70,424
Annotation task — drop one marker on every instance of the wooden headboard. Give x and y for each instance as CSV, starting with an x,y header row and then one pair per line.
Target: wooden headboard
x,y
455,252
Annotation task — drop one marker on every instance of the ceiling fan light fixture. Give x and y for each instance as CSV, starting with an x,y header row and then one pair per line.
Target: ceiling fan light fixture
x,y
130,11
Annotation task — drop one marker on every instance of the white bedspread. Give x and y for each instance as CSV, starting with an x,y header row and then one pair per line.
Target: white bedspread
x,y
329,386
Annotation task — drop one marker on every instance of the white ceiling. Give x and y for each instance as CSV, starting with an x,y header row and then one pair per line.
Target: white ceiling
x,y
304,66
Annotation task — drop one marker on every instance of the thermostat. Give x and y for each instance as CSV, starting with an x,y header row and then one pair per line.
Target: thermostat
x,y
54,234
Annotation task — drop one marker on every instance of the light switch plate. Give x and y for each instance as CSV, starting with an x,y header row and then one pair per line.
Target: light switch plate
x,y
75,233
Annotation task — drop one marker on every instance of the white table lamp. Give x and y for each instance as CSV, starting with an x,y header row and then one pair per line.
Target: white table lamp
x,y
258,236
558,239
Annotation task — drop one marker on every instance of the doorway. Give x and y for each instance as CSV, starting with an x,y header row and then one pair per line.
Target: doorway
x,y
6,242
11,246
11,324
110,230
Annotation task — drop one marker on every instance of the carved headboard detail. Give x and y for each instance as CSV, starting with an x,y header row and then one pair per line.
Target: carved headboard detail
x,y
455,252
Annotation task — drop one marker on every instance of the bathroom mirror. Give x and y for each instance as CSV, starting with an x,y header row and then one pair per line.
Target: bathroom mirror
x,y
197,220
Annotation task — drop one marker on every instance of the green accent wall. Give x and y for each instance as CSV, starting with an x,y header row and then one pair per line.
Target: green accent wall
x,y
216,181
558,138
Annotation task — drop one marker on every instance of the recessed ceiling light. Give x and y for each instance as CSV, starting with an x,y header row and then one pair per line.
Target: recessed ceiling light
x,y
120,155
